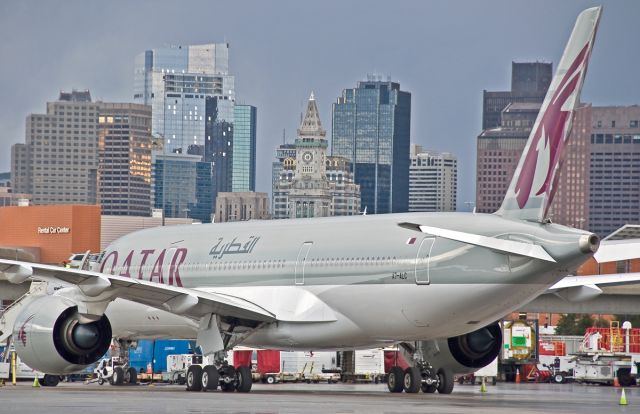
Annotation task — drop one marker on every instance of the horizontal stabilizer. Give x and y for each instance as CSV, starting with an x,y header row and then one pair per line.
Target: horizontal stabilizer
x,y
507,246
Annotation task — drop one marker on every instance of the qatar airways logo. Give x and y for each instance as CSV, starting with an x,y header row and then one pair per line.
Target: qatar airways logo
x,y
544,153
153,265
22,333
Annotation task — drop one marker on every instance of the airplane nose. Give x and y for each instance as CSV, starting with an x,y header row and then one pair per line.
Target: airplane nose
x,y
589,243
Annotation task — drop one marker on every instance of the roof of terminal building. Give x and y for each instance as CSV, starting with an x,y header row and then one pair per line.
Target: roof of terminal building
x,y
626,232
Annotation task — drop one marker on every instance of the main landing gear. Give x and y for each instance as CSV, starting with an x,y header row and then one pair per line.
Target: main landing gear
x,y
414,379
209,377
421,376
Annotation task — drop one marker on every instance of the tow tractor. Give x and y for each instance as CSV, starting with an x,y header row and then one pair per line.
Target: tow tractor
x,y
115,372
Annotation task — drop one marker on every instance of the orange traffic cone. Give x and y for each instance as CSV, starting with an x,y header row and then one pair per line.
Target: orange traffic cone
x,y
616,381
518,376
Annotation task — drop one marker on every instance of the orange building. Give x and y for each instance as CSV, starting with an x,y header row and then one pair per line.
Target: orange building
x,y
50,233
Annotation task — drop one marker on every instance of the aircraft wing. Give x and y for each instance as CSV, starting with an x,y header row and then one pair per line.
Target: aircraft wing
x,y
615,250
182,301
619,279
603,294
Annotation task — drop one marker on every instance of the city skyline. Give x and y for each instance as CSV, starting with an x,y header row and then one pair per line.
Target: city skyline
x,y
438,51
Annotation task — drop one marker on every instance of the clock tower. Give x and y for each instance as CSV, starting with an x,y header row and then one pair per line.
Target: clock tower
x,y
311,145
320,185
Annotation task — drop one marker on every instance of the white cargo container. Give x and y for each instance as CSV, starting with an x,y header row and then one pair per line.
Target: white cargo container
x,y
363,365
369,362
306,362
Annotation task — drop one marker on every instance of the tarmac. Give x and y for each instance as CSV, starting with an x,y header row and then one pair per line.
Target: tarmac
x,y
68,398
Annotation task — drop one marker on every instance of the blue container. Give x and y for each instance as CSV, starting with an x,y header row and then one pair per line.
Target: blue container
x,y
140,357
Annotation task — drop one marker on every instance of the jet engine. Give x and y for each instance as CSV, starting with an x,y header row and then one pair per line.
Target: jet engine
x,y
51,336
466,353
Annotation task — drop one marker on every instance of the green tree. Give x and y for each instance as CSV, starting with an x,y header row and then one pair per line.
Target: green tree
x,y
577,323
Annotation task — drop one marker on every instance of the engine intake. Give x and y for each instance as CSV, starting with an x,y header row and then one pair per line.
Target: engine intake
x,y
478,348
465,353
49,336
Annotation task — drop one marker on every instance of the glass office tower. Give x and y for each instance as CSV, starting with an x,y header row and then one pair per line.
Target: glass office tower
x,y
175,81
371,128
244,148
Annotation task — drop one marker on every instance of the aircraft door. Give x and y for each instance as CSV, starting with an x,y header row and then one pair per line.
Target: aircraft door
x,y
422,260
301,262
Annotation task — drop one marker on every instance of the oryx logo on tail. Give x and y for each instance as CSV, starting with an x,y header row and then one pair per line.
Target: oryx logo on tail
x,y
534,183
550,137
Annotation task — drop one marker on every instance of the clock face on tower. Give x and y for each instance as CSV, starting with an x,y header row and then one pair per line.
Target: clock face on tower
x,y
307,157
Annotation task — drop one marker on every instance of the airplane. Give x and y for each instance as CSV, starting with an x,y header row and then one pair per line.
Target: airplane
x,y
434,283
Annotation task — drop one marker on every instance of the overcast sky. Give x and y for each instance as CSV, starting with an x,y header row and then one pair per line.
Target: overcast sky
x,y
443,52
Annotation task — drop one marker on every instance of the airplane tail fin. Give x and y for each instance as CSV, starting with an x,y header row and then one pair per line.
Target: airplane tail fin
x,y
534,183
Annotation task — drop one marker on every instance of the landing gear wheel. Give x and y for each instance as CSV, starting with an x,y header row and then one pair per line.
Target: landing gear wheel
x,y
445,381
194,378
412,380
131,376
49,380
244,381
210,378
429,388
118,376
228,375
395,379
271,379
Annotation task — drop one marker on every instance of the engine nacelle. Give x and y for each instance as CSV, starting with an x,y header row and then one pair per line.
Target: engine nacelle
x,y
465,353
49,336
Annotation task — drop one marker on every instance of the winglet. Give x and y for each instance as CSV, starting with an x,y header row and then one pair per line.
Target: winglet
x,y
535,180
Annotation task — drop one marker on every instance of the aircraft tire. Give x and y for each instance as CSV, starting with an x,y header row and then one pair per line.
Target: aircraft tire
x,y
194,378
244,379
132,376
210,378
49,380
118,376
395,379
429,388
228,371
412,380
445,381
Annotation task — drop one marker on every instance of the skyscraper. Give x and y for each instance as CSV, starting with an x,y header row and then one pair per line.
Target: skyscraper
x,y
58,164
498,153
433,178
612,134
182,186
192,96
244,148
124,159
175,82
529,84
310,183
371,128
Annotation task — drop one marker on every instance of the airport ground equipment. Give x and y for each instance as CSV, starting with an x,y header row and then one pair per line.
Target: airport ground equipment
x,y
608,354
363,365
115,371
519,348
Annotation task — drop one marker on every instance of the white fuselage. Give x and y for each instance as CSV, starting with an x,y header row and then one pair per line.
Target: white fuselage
x,y
344,282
